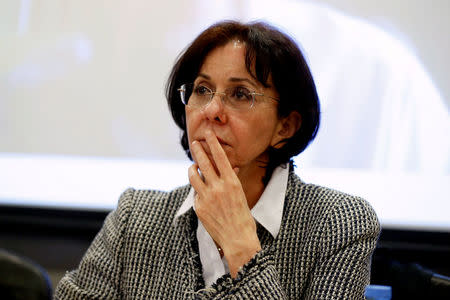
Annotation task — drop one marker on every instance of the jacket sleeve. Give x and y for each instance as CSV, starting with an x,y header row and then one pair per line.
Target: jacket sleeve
x,y
98,275
349,239
258,279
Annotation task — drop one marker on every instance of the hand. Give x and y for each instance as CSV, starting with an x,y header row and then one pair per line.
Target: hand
x,y
221,204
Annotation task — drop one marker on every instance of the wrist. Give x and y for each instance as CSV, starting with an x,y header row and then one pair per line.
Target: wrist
x,y
237,257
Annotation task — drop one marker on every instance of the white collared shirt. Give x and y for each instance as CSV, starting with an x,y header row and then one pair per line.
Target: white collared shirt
x,y
267,211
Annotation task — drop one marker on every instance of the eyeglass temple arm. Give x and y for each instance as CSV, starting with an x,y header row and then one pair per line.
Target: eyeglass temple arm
x,y
273,98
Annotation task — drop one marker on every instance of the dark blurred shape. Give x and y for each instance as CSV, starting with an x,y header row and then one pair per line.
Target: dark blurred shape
x,y
411,280
20,278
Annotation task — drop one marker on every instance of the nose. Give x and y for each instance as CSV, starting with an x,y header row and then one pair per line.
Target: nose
x,y
214,110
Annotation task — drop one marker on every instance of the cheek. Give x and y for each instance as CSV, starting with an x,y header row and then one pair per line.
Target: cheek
x,y
260,133
254,137
190,122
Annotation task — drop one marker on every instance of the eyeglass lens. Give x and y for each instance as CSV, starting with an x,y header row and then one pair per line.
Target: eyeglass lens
x,y
199,96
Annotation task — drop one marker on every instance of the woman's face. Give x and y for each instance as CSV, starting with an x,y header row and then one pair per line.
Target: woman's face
x,y
244,135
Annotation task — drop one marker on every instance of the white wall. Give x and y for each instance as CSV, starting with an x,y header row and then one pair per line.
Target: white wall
x,y
423,25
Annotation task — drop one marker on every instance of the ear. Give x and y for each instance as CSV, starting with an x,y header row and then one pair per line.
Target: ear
x,y
286,128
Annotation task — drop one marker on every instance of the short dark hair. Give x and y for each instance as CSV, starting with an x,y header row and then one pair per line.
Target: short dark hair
x,y
268,52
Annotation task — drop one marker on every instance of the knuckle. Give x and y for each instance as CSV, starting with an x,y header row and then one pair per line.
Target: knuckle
x,y
198,206
216,193
191,174
201,211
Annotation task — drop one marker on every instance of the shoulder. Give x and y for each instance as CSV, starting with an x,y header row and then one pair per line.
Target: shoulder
x,y
148,204
332,210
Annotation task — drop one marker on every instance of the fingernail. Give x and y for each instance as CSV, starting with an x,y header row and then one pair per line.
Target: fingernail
x,y
236,170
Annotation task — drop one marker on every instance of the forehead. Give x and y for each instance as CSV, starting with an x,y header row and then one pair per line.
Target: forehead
x,y
227,58
227,63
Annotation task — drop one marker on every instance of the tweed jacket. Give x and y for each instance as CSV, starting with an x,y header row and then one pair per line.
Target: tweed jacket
x,y
323,251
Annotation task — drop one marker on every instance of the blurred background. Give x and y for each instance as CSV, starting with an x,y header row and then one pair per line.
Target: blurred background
x,y
83,113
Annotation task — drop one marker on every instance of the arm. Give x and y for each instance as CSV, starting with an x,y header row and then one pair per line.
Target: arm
x,y
98,275
221,204
350,236
222,207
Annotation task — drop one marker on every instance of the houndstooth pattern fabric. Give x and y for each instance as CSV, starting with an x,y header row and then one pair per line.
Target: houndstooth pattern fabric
x,y
323,251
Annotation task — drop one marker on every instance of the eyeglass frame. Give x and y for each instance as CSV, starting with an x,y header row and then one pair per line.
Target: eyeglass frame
x,y
182,89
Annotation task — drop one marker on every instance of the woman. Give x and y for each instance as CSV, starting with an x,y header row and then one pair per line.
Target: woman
x,y
246,226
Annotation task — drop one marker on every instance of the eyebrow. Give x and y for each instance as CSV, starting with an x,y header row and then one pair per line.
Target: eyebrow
x,y
232,79
235,79
204,76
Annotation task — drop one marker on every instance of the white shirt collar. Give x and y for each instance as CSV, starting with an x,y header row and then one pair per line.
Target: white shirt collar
x,y
268,211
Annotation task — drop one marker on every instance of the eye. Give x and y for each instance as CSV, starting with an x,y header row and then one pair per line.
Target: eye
x,y
241,93
201,90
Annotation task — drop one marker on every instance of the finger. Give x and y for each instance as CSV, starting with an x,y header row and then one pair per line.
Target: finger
x,y
203,162
219,155
195,179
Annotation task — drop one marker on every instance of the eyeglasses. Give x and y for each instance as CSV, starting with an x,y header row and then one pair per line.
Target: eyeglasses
x,y
237,98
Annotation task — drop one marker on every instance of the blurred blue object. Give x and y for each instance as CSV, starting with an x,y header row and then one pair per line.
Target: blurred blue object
x,y
378,292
